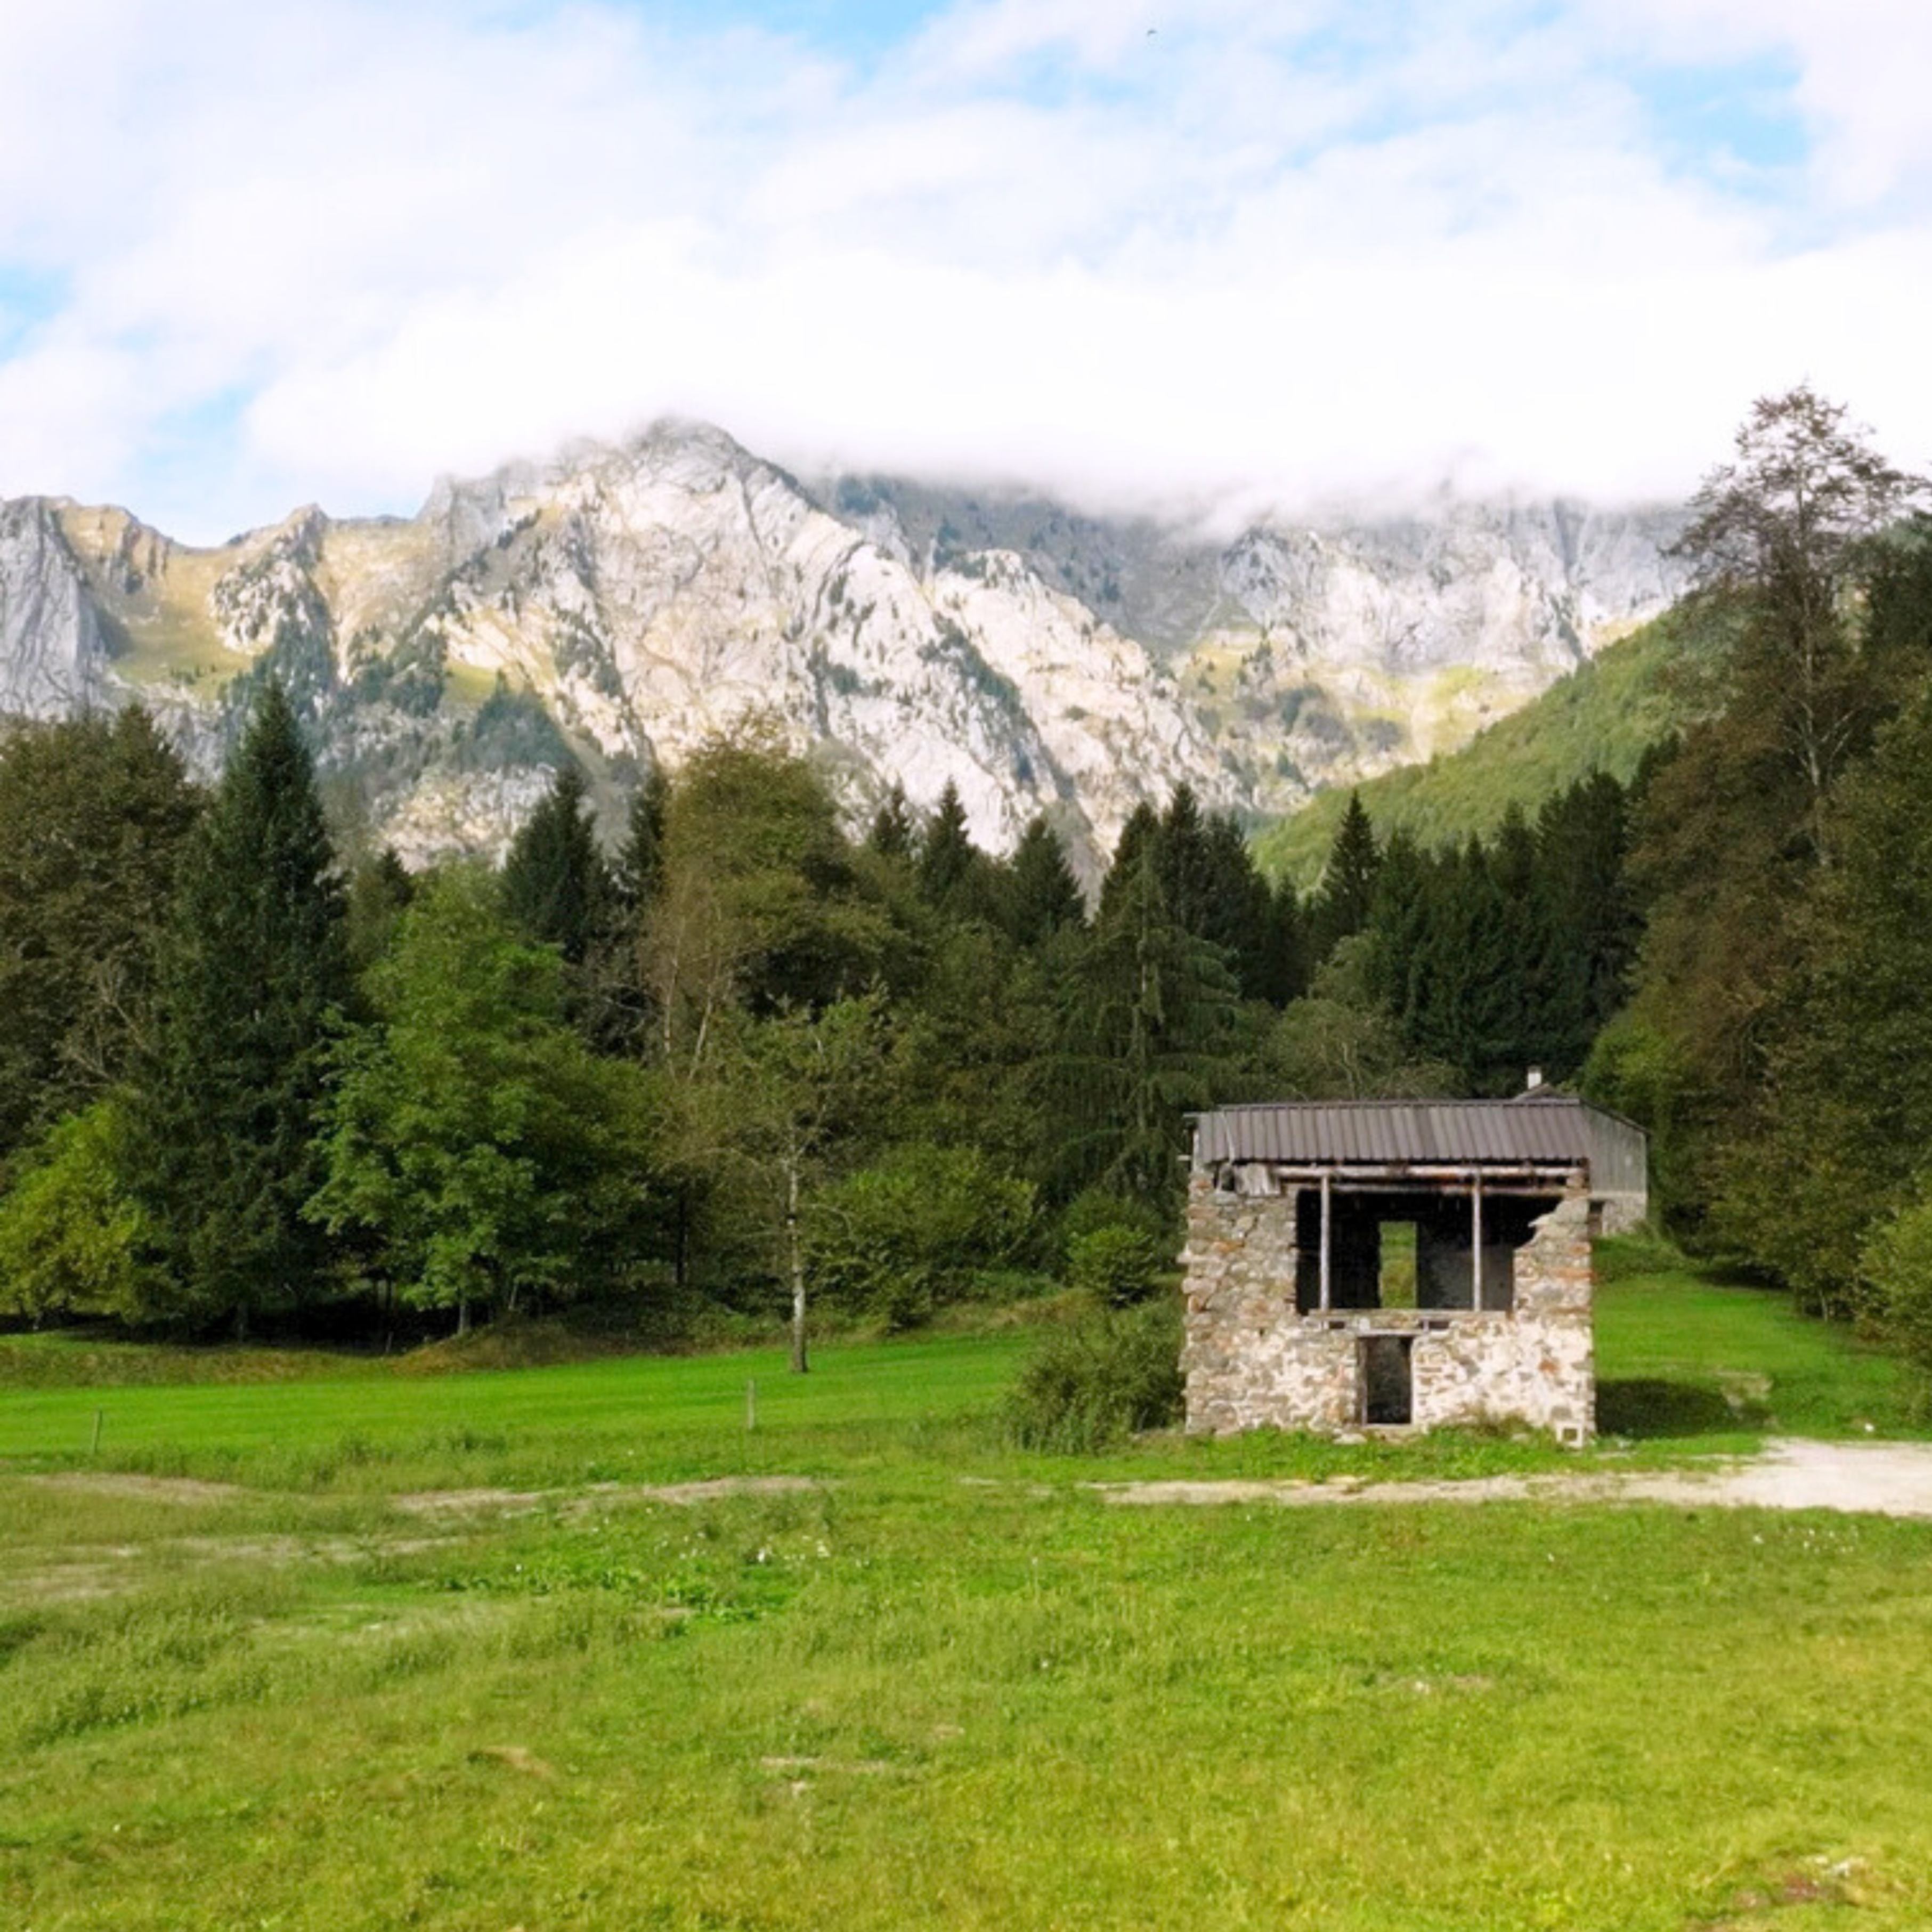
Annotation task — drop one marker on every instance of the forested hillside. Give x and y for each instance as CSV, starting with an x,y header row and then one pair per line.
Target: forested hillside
x,y
254,1070
1604,716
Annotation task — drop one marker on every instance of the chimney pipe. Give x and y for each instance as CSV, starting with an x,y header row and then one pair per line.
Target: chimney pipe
x,y
1535,1081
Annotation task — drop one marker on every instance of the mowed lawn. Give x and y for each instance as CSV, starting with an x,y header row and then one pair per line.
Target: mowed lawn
x,y
947,1683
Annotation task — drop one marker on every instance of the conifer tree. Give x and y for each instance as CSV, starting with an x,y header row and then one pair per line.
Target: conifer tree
x,y
94,812
1346,895
893,835
640,864
1591,923
1238,912
1398,931
947,856
1285,975
1043,896
556,888
252,973
1148,1017
1187,862
1140,837
379,893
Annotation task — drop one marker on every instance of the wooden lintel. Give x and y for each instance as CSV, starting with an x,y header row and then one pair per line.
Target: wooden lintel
x,y
1562,1178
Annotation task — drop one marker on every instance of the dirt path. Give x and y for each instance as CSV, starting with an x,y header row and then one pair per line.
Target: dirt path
x,y
186,1489
1868,1478
525,1502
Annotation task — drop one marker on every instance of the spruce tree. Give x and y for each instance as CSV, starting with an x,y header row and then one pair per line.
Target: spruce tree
x,y
1582,842
893,835
1399,933
379,891
640,864
556,888
1347,893
93,814
1043,897
1140,837
1238,911
1187,864
253,974
1148,1018
1285,974
947,856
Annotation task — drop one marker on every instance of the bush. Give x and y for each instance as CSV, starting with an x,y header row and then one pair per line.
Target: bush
x,y
1099,1380
910,1235
1115,1267
1896,1264
1099,1207
72,1241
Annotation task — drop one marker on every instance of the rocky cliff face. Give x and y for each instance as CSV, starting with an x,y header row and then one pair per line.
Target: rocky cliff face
x,y
622,605
51,661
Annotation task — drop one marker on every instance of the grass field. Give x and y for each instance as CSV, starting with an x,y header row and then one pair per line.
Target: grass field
x,y
945,1683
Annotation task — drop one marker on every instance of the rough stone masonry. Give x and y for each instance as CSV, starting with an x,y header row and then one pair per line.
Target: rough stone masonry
x,y
1253,1360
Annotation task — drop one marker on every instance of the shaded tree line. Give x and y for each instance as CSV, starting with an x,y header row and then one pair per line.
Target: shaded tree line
x,y
248,1078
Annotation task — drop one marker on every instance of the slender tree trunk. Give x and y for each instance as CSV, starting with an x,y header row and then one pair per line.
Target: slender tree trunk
x,y
462,1316
799,1364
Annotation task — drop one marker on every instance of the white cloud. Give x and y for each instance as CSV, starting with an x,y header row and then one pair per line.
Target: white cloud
x,y
1268,252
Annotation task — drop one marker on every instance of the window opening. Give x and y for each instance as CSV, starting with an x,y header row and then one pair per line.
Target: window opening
x,y
1398,1264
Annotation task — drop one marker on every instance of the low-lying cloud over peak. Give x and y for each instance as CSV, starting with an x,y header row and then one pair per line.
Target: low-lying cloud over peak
x,y
250,256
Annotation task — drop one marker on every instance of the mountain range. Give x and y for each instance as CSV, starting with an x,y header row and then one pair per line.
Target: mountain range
x,y
620,603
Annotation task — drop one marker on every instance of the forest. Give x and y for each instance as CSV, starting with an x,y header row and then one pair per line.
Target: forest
x,y
750,1060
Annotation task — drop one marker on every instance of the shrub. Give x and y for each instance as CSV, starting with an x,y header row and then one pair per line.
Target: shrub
x,y
1100,1208
1897,1264
906,1236
72,1241
1115,1267
1099,1380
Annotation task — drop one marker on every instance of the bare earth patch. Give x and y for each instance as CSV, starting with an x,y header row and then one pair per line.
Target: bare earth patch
x,y
143,1489
1854,1478
524,1502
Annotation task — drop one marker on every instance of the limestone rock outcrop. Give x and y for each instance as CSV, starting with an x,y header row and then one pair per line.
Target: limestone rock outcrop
x,y
621,604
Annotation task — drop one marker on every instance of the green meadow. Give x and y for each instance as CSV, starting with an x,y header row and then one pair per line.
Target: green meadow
x,y
260,1667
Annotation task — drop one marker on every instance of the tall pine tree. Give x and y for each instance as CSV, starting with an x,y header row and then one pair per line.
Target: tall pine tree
x,y
1042,896
253,971
893,835
640,862
94,813
948,859
556,888
1140,838
1148,1014
1346,895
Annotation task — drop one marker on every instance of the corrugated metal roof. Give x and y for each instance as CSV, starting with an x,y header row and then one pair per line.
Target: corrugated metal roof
x,y
1340,1133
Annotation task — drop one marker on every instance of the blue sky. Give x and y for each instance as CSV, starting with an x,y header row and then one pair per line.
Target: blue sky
x,y
1268,255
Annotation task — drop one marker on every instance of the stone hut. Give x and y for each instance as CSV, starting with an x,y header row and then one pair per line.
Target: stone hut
x,y
1401,1265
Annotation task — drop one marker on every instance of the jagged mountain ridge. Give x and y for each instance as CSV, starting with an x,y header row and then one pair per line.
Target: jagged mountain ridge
x,y
622,603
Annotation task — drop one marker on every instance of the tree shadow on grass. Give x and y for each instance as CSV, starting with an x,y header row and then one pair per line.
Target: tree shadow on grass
x,y
1641,1408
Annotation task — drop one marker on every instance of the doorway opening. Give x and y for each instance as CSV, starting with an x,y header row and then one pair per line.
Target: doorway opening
x,y
1388,1388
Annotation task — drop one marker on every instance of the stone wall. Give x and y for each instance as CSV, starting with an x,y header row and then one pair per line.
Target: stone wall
x,y
1252,1362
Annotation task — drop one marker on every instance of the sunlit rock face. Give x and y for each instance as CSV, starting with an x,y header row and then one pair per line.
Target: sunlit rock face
x,y
622,605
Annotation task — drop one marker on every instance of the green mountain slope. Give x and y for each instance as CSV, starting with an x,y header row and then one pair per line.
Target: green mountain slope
x,y
1603,716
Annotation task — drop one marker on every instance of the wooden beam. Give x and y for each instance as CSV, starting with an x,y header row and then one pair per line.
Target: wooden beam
x,y
1560,1174
1476,1236
1328,1195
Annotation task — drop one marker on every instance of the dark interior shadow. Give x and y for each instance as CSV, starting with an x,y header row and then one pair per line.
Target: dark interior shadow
x,y
1641,1408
